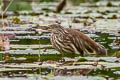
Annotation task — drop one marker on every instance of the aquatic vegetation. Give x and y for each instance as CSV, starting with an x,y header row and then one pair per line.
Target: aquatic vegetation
x,y
16,20
82,60
29,36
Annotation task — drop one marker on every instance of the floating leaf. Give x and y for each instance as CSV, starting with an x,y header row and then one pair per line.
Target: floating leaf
x,y
117,54
82,60
16,20
109,4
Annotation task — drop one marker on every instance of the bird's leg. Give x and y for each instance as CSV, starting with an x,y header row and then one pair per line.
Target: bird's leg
x,y
62,55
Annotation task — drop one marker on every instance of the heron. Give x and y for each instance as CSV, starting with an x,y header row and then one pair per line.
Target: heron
x,y
72,41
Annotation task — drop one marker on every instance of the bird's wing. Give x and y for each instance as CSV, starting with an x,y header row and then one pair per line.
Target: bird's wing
x,y
83,43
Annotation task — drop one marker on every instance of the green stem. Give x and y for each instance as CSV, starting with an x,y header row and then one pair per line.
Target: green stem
x,y
39,57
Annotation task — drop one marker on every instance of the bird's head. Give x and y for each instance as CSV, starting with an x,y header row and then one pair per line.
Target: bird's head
x,y
54,26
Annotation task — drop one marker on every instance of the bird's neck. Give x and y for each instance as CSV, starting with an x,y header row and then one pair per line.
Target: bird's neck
x,y
61,30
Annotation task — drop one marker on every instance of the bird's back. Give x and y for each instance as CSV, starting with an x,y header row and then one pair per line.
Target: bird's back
x,y
85,44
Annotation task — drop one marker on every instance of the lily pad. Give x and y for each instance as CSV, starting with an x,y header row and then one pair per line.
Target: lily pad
x,y
82,60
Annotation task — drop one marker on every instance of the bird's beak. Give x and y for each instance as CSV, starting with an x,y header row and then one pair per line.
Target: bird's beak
x,y
50,27
49,30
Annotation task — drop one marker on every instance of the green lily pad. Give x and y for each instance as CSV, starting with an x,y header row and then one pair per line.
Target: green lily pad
x,y
82,60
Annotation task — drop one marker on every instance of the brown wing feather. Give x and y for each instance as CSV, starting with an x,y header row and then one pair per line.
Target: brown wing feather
x,y
82,43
